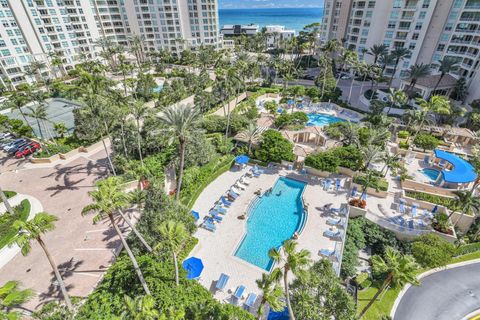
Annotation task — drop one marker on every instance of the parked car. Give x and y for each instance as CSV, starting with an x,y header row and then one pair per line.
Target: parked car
x,y
27,150
345,77
14,143
18,147
6,135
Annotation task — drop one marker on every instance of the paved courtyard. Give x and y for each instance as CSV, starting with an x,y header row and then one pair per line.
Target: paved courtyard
x,y
82,251
216,249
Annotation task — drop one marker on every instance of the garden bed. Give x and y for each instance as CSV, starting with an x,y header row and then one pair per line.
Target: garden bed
x,y
438,200
10,194
22,211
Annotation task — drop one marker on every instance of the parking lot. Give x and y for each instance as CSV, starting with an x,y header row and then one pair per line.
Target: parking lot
x,y
82,250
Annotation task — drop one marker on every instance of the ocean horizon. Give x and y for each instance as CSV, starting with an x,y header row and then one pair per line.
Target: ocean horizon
x,y
291,18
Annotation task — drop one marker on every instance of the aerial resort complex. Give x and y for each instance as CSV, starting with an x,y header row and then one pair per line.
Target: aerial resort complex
x,y
240,160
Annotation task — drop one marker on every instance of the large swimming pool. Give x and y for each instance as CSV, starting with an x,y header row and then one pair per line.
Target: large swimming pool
x,y
272,219
321,119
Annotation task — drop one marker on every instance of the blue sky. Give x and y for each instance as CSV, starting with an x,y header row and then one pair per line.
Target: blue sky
x,y
270,3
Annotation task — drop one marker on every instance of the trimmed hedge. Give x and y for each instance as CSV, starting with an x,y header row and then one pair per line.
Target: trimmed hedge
x,y
442,201
380,183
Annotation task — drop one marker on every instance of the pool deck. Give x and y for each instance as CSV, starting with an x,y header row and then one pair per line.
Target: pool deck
x,y
216,249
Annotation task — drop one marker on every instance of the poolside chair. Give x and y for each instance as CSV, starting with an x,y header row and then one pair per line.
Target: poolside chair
x,y
244,180
426,160
442,163
222,282
215,216
238,294
333,234
335,222
232,195
354,191
220,210
411,226
414,211
225,201
250,302
240,186
326,253
235,190
401,208
208,224
327,185
338,184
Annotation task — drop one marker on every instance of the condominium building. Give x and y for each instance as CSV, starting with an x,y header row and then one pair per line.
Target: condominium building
x,y
430,29
277,35
34,29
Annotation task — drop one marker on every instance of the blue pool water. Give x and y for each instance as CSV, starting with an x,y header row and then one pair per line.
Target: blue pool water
x,y
273,219
432,174
321,120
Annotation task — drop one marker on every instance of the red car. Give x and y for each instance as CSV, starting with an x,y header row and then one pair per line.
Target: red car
x,y
27,150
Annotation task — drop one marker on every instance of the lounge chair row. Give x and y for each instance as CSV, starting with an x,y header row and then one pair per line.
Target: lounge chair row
x,y
238,293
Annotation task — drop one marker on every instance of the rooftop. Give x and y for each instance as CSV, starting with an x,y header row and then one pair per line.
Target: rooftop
x,y
448,81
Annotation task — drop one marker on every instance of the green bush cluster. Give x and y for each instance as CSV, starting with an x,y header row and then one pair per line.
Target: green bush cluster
x,y
347,157
291,121
22,212
467,248
442,201
9,194
431,251
378,183
403,134
213,123
403,145
274,148
426,141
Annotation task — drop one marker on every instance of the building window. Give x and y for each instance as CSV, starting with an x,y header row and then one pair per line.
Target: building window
x,y
389,34
422,15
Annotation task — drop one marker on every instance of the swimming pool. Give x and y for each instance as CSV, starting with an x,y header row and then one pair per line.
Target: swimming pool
x,y
431,174
321,119
272,219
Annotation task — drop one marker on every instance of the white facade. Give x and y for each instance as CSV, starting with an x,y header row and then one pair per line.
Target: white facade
x,y
430,29
230,30
277,35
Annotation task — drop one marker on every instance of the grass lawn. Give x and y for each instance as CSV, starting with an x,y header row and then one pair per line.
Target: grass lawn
x,y
22,212
383,306
9,194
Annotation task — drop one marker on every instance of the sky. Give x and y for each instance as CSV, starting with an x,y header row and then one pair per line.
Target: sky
x,y
233,4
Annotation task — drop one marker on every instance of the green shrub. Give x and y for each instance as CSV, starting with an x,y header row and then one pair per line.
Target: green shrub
x,y
350,157
426,141
467,248
324,161
378,183
431,251
291,121
22,211
442,201
274,148
9,194
403,134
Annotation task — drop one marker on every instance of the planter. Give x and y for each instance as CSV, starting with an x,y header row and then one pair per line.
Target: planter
x,y
357,212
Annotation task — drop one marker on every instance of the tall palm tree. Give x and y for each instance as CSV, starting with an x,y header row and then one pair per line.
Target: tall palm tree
x,y
467,203
12,296
271,293
436,105
398,54
416,72
377,50
39,113
397,98
180,120
6,202
371,153
136,43
400,270
447,65
252,135
290,260
109,199
368,179
173,235
139,111
386,60
140,308
390,161
347,58
32,230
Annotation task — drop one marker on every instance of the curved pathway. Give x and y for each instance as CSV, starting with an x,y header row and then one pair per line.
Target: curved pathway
x,y
446,295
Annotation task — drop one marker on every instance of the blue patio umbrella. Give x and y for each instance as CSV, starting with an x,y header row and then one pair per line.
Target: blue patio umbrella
x,y
290,102
194,267
195,215
242,159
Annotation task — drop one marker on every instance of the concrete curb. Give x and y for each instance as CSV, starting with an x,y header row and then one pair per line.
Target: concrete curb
x,y
425,274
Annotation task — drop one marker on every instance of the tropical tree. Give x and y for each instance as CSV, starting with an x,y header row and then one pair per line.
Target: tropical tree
x,y
180,120
12,296
400,270
290,260
377,50
366,182
140,308
109,199
391,160
139,111
252,135
398,54
386,60
371,153
136,43
60,129
32,230
467,203
436,105
396,98
271,293
173,235
6,202
447,65
416,72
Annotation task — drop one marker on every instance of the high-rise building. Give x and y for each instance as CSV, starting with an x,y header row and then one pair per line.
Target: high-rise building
x,y
431,29
32,30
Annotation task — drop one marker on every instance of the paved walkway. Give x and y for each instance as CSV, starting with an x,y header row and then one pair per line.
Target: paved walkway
x,y
83,251
445,295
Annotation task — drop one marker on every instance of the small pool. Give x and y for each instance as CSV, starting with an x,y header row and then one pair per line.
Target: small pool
x,y
272,219
321,119
431,174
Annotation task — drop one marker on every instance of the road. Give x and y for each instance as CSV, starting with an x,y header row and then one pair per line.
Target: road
x,y
446,295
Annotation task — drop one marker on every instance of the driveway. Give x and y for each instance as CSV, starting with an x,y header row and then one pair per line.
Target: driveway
x,y
446,295
82,251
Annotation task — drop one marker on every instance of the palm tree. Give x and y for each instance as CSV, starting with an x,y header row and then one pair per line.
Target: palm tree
x,y
377,51
397,98
39,113
271,293
60,129
180,120
386,60
32,230
136,46
288,260
12,296
350,135
252,135
467,203
447,65
398,54
173,235
416,72
368,179
400,269
436,105
6,202
108,199
140,308
371,153
139,111
390,161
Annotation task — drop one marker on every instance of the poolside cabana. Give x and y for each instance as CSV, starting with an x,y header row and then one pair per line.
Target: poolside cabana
x,y
309,136
456,173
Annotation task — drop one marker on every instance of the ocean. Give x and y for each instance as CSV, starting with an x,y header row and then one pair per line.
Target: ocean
x,y
291,18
